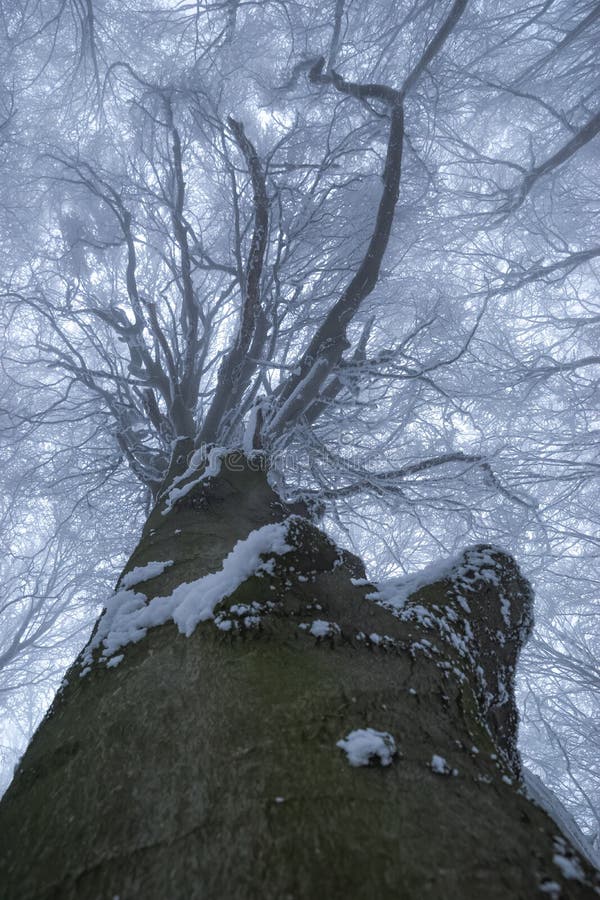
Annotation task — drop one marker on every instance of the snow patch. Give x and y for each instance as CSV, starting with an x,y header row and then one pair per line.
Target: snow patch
x,y
144,573
114,661
569,867
365,745
128,614
320,628
439,765
552,888
379,640
396,592
213,467
467,568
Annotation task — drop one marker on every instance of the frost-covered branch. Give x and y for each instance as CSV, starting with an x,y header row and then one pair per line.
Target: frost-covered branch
x,y
391,480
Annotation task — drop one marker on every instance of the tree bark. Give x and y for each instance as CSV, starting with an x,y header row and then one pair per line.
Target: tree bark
x,y
208,766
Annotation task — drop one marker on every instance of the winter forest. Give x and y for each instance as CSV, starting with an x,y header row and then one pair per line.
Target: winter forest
x,y
356,242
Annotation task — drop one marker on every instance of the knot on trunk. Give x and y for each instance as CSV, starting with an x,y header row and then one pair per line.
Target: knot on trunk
x,y
482,605
501,602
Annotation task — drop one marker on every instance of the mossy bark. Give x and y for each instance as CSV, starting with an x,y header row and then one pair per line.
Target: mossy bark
x,y
207,767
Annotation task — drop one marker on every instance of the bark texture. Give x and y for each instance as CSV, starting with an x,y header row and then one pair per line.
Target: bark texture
x,y
207,767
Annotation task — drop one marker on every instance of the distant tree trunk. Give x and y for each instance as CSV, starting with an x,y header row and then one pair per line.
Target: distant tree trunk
x,y
208,766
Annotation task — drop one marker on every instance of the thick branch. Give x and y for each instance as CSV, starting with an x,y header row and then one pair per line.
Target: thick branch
x,y
187,392
337,34
331,390
582,137
329,341
435,45
237,366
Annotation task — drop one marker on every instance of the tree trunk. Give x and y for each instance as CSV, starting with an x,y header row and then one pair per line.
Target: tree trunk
x,y
208,766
